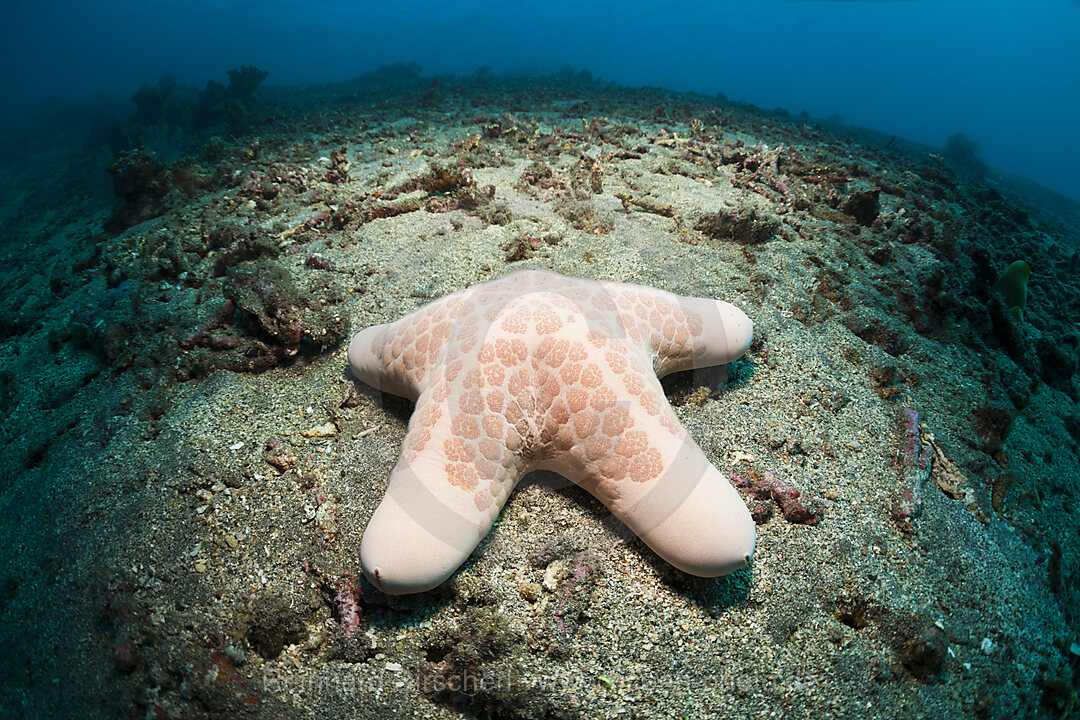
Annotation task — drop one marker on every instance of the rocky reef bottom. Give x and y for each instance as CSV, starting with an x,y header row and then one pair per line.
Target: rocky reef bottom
x,y
188,467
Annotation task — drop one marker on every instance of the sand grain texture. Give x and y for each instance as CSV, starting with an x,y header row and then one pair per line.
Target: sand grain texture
x,y
185,483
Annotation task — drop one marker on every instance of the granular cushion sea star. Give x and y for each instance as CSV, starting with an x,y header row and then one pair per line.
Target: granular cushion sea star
x,y
540,371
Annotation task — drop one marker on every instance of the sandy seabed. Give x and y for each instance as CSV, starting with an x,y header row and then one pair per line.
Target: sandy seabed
x,y
188,467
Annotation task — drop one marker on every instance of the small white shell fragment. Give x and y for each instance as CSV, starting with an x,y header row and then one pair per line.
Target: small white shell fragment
x,y
236,446
551,576
327,429
739,456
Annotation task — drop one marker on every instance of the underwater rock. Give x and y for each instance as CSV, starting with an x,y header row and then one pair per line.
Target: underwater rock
x,y
457,660
273,625
508,127
338,173
920,648
139,178
279,310
540,176
863,206
745,226
948,476
1006,330
571,585
992,426
189,177
865,325
796,507
1058,365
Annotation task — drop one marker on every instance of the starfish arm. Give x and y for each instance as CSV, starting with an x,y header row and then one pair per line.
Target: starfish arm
x,y
633,456
396,357
368,352
725,335
691,515
682,333
452,479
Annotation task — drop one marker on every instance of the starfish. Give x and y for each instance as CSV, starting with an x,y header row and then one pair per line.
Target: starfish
x,y
538,371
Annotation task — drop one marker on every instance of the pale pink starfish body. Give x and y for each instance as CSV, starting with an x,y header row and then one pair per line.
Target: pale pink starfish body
x,y
540,371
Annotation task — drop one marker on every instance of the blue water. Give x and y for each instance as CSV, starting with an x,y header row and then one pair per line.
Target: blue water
x,y
1005,74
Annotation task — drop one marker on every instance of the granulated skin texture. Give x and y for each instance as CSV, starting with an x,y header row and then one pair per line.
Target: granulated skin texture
x,y
537,371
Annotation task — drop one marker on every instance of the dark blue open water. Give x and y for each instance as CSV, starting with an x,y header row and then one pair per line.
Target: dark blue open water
x,y
1005,74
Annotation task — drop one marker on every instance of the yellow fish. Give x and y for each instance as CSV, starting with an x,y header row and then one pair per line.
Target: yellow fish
x,y
1013,286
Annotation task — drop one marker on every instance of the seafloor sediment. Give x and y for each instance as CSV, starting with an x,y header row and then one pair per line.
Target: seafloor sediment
x,y
188,467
